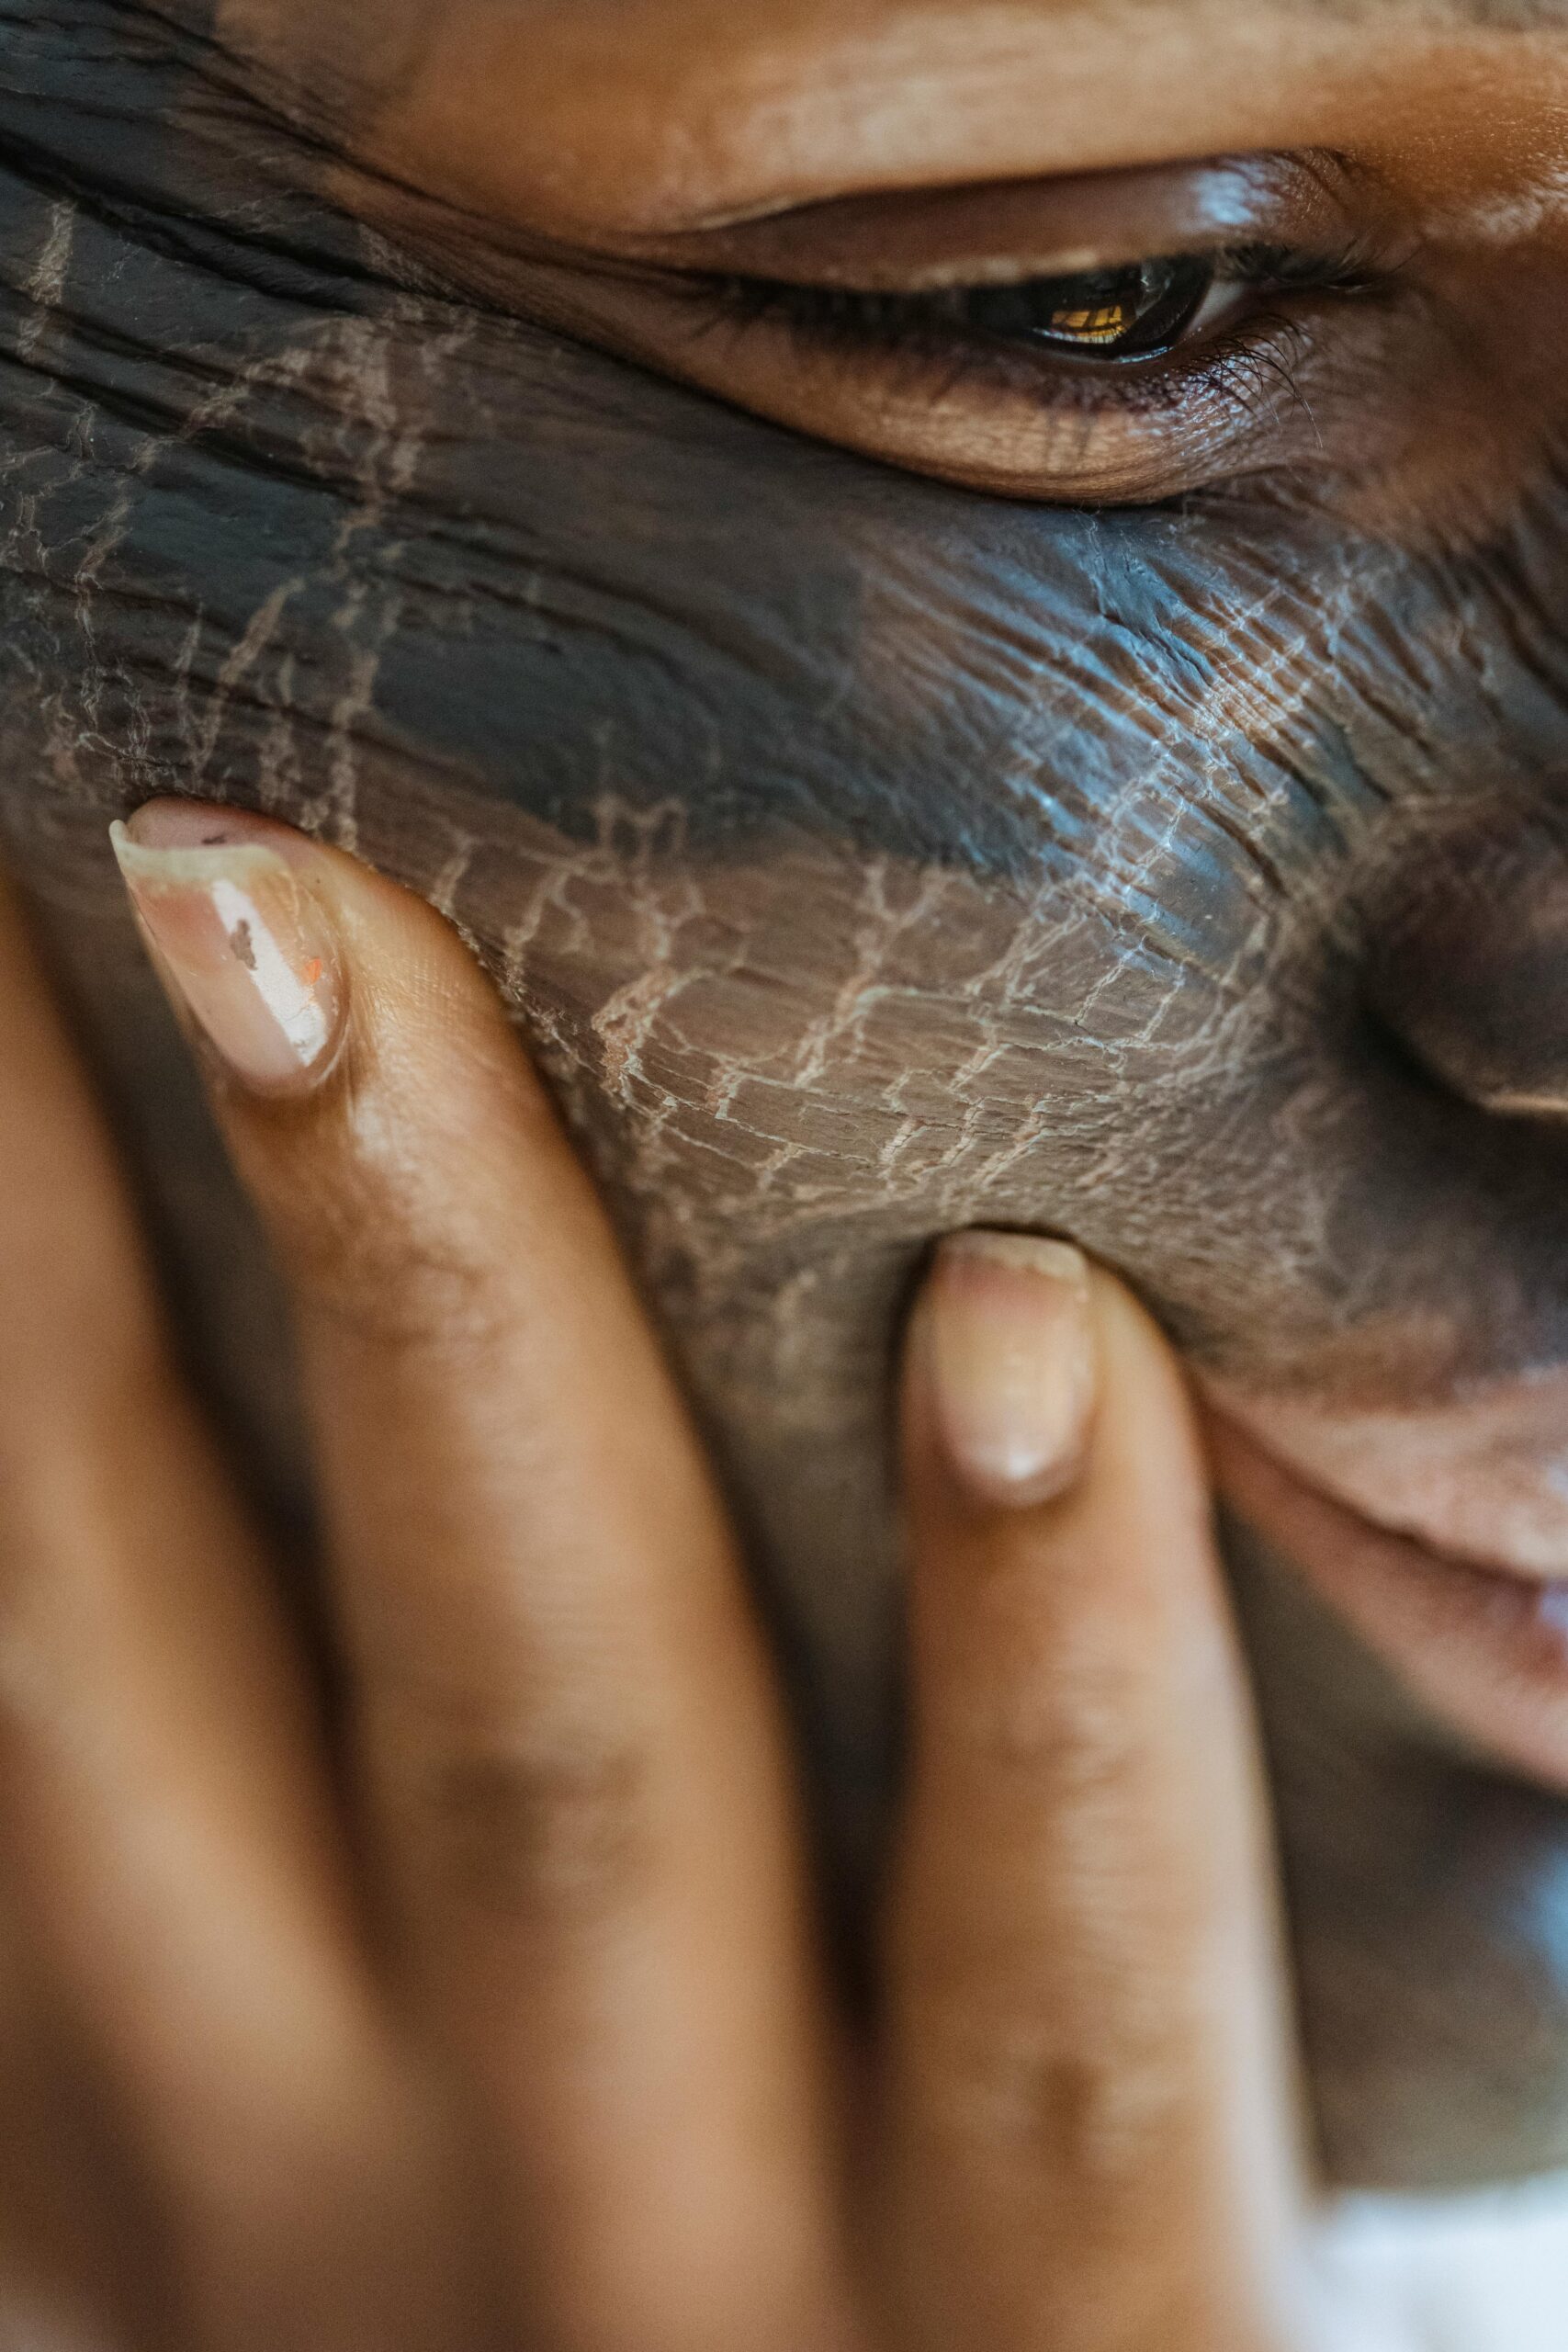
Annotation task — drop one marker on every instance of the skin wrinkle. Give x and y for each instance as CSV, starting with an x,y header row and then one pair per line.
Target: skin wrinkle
x,y
902,860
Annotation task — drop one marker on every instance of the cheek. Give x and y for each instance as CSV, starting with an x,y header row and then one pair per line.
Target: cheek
x,y
898,861
793,1049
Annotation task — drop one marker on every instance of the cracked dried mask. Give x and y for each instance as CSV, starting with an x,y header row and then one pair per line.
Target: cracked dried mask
x,y
1170,853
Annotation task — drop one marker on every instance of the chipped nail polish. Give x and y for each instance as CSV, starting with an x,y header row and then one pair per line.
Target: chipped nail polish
x,y
240,941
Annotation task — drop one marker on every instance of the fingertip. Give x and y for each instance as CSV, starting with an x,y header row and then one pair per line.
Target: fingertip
x,y
1042,1404
1004,1364
246,950
278,951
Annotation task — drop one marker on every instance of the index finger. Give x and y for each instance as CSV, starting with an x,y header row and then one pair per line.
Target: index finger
x,y
571,1749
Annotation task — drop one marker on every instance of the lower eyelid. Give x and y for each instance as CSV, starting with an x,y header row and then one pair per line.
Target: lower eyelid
x,y
1237,402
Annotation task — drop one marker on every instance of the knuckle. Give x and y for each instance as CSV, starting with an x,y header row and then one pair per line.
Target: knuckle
x,y
380,1283
1081,1735
553,1829
1106,2117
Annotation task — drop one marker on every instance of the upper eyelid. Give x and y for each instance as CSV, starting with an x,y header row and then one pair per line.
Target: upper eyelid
x,y
924,240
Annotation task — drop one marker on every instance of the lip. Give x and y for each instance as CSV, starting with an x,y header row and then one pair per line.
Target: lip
x,y
1485,1649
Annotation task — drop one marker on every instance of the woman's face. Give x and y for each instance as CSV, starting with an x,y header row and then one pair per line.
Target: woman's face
x,y
1074,735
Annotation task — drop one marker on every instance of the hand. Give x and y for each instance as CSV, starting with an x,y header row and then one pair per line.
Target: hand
x,y
499,2019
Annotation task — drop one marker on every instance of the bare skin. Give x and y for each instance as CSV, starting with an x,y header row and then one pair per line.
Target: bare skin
x,y
868,857
513,2028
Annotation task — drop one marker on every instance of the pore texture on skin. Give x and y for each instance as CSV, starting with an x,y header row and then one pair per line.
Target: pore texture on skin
x,y
865,859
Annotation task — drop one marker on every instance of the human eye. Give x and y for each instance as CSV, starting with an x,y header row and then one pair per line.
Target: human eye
x,y
1110,317
1200,345
1118,340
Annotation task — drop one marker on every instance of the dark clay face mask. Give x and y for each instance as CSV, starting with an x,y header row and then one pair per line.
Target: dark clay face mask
x,y
867,856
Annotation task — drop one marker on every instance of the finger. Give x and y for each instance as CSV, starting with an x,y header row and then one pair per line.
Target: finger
x,y
572,1750
1092,2132
71,2257
163,1829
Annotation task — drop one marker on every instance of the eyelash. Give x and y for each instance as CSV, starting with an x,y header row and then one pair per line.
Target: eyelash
x,y
939,328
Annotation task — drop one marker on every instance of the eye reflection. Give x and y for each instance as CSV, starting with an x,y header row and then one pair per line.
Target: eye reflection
x,y
1133,312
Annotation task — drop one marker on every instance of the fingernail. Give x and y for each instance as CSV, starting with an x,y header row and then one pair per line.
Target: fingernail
x,y
239,939
1012,1362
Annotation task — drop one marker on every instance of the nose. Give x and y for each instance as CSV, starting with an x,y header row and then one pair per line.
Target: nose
x,y
1468,968
1460,942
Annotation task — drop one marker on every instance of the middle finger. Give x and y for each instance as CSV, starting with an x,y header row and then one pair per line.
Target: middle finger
x,y
1093,2132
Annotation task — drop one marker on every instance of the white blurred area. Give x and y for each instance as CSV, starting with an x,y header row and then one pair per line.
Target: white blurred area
x,y
1485,2273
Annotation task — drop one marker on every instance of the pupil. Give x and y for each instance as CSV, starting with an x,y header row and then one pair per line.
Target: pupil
x,y
1126,313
